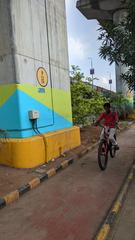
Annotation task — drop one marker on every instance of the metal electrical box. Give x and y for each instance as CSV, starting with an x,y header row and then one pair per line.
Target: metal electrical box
x,y
33,114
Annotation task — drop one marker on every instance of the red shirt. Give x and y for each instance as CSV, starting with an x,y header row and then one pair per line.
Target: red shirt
x,y
109,119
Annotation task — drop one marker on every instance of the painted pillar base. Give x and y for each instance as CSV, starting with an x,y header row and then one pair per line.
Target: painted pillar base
x,y
34,151
132,115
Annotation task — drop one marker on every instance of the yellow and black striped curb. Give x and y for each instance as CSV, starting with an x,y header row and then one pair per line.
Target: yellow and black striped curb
x,y
15,195
111,217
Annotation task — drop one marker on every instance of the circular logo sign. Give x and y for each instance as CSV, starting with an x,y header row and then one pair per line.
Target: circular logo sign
x,y
42,76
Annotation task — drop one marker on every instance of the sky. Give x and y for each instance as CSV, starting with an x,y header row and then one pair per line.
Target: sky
x,y
84,46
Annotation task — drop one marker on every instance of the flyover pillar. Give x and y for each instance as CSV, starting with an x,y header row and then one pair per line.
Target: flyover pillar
x,y
35,94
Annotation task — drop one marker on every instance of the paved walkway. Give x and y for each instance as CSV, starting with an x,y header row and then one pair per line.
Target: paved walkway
x,y
71,205
124,228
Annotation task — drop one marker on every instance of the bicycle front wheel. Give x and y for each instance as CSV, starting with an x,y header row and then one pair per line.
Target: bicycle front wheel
x,y
112,151
103,155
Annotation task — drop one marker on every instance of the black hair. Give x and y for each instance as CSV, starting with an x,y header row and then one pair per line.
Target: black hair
x,y
107,105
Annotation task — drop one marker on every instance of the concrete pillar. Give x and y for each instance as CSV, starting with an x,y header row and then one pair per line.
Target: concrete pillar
x,y
34,75
121,86
118,16
7,61
33,35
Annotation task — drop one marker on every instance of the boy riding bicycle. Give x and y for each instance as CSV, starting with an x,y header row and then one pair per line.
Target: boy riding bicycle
x,y
110,123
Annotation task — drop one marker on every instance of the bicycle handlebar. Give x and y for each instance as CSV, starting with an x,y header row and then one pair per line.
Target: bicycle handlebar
x,y
102,126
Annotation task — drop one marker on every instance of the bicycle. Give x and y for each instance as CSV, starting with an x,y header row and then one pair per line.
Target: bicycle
x,y
105,146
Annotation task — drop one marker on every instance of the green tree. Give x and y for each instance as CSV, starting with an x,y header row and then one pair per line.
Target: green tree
x,y
121,104
86,101
118,43
75,74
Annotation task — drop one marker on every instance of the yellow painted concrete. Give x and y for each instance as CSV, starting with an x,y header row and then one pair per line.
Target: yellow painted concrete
x,y
130,176
59,142
132,115
34,183
34,151
51,172
103,232
11,197
116,207
64,164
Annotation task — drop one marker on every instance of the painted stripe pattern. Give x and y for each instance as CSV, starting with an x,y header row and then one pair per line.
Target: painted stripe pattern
x,y
15,195
108,223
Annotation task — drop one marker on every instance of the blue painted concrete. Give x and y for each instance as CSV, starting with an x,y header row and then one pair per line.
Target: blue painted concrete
x,y
14,116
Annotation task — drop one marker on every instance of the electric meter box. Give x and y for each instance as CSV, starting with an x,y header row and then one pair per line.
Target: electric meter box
x,y
33,114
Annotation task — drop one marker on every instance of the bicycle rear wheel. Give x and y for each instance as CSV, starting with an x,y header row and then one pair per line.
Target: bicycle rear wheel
x,y
103,155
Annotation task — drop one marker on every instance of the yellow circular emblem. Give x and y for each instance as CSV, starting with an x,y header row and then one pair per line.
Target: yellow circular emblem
x,y
42,76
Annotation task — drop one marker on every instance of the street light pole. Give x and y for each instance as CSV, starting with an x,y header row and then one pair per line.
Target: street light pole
x,y
110,87
91,70
110,81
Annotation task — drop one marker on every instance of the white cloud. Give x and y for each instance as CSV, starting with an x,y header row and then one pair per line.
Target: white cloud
x,y
104,82
77,49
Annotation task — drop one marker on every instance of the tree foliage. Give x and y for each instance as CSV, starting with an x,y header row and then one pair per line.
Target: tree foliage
x,y
121,104
86,101
75,74
118,43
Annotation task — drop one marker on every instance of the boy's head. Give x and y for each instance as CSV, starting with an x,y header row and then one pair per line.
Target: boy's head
x,y
107,107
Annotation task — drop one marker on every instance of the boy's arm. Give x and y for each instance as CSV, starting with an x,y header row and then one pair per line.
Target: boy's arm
x,y
116,117
116,120
99,119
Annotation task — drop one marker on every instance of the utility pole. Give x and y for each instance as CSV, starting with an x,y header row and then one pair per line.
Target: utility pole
x,y
110,82
92,70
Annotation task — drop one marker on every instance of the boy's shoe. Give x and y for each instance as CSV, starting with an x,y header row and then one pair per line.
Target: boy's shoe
x,y
117,147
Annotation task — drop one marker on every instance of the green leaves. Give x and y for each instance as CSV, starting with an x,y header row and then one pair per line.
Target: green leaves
x,y
75,74
121,104
118,43
86,102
